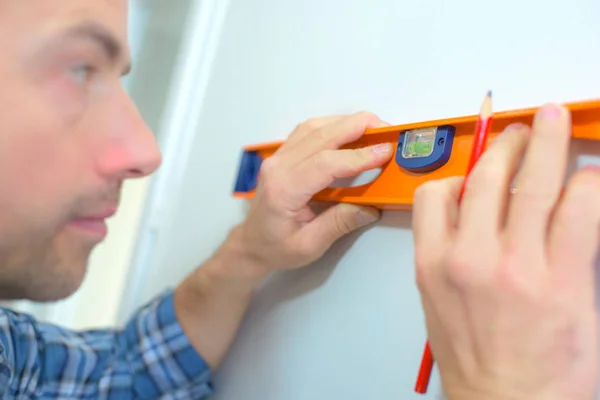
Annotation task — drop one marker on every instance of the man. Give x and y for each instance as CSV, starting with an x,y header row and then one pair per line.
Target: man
x,y
71,137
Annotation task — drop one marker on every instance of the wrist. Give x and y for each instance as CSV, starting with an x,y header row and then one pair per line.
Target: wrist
x,y
479,395
233,267
466,392
212,300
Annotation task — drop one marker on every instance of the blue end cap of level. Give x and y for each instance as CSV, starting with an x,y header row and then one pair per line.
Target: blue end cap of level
x,y
439,157
248,172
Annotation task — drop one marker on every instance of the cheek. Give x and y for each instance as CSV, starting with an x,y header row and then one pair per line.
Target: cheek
x,y
42,161
66,100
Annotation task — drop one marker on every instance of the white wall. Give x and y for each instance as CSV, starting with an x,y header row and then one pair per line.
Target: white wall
x,y
349,327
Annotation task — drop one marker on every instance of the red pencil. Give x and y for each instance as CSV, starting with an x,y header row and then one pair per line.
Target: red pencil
x,y
482,130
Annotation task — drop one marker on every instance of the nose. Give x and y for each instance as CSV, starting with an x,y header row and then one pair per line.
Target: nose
x,y
131,150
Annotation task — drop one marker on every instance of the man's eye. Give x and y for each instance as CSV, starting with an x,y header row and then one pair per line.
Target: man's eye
x,y
80,74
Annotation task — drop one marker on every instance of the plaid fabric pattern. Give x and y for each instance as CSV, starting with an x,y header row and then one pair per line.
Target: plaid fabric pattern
x,y
151,358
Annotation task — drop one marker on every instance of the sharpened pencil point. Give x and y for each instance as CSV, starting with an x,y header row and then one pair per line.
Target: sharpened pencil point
x,y
489,93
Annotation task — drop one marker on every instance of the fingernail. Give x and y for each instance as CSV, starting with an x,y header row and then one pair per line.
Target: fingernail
x,y
592,168
380,125
383,148
550,111
367,216
514,127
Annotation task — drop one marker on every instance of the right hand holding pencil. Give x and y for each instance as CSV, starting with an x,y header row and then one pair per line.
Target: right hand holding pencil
x,y
507,276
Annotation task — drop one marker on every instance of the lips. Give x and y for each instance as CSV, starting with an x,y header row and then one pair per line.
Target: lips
x,y
104,214
95,226
94,223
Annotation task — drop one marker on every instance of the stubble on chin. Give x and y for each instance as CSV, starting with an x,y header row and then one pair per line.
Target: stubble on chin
x,y
43,268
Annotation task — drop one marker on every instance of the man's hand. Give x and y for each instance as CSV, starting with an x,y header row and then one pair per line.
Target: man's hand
x,y
281,231
507,280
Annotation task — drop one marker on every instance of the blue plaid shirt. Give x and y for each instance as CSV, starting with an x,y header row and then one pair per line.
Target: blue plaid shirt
x,y
150,358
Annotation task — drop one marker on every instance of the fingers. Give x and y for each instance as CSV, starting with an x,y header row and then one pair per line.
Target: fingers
x,y
337,221
540,179
306,128
486,195
575,233
435,213
310,160
319,171
332,136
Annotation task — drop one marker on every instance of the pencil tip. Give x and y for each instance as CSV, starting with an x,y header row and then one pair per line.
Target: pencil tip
x,y
489,93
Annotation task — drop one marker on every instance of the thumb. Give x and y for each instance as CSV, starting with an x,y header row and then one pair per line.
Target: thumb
x,y
335,222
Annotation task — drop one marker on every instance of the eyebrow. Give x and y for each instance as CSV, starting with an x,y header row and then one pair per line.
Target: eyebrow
x,y
103,37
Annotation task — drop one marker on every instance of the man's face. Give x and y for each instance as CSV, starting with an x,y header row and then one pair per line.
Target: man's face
x,y
69,137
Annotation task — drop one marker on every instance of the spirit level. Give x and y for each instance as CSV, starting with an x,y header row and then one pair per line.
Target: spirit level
x,y
424,151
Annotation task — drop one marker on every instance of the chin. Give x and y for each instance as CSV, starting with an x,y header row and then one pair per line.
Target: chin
x,y
65,271
57,280
54,293
44,268
58,289
40,289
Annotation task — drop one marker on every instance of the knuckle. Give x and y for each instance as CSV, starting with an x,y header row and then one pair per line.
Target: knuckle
x,y
321,135
508,270
419,197
582,197
318,134
461,268
272,184
512,280
584,184
341,223
367,116
538,197
425,190
360,159
272,191
488,174
571,210
322,161
269,167
423,267
297,131
302,249
310,124
422,278
515,128
428,189
364,154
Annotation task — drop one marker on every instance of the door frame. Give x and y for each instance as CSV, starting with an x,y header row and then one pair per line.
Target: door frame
x,y
186,98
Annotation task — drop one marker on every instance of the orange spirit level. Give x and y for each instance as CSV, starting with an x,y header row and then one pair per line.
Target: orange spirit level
x,y
424,151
